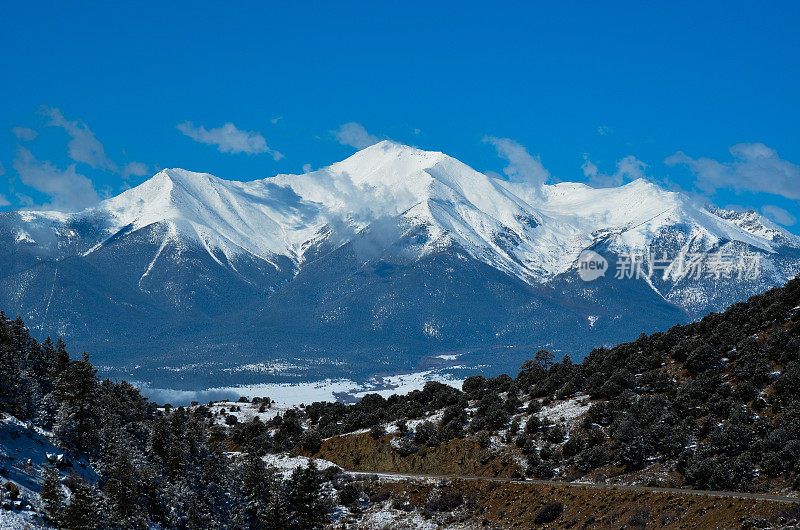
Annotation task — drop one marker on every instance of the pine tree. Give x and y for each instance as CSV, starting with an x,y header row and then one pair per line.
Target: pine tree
x,y
308,508
277,517
60,360
121,491
77,393
258,487
544,358
52,495
84,509
16,389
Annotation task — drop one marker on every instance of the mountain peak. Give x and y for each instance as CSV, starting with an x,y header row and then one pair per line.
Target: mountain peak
x,y
386,161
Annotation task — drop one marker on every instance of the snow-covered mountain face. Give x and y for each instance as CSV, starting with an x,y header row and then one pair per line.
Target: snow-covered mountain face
x,y
373,264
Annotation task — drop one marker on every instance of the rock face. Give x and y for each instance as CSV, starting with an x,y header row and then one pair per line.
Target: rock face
x,y
384,262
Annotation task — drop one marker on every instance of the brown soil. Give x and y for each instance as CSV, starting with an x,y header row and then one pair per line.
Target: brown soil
x,y
512,505
360,452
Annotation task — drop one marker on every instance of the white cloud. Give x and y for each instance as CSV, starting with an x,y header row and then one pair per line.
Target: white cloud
x,y
67,190
355,135
755,167
83,146
629,169
306,168
229,139
522,166
778,214
603,130
24,134
135,168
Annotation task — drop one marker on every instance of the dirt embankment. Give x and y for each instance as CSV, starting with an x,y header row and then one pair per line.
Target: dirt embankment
x,y
514,505
360,452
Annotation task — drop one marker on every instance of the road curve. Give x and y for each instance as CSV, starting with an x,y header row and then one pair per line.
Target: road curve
x,y
707,493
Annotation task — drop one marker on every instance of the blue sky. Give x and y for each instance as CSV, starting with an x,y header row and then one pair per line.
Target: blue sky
x,y
700,96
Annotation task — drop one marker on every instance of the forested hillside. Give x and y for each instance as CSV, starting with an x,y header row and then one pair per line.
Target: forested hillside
x,y
711,405
170,467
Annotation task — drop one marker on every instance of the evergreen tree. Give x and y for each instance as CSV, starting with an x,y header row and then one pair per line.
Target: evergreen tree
x,y
77,394
308,508
277,517
544,358
16,390
60,360
84,511
52,495
121,492
257,489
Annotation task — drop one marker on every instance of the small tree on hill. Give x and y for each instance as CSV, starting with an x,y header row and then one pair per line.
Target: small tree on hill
x,y
545,359
308,506
52,495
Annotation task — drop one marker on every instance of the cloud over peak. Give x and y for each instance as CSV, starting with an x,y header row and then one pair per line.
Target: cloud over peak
x,y
229,139
355,135
522,166
629,169
68,190
83,146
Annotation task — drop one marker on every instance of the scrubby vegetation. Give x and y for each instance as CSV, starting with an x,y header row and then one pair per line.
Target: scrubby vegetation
x,y
714,403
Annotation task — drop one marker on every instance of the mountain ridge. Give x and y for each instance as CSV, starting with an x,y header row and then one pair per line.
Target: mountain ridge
x,y
381,262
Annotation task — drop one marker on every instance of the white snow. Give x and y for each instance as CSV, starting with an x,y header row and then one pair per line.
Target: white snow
x,y
404,383
533,233
568,409
293,394
287,464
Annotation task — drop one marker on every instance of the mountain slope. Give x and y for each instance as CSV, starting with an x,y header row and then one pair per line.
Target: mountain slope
x,y
375,264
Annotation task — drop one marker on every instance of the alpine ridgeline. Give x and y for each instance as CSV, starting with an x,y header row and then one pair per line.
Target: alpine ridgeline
x,y
395,259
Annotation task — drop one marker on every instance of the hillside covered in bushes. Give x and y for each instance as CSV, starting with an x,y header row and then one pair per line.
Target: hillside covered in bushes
x,y
711,405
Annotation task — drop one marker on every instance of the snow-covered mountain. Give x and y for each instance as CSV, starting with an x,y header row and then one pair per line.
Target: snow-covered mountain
x,y
378,263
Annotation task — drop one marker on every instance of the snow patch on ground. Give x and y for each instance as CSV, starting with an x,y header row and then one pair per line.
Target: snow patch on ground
x,y
287,464
569,409
386,517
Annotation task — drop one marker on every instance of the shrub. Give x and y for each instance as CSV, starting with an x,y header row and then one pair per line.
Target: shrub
x,y
349,494
556,434
484,439
13,490
426,433
640,518
543,471
446,502
533,424
377,431
312,441
591,458
406,447
573,446
548,513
